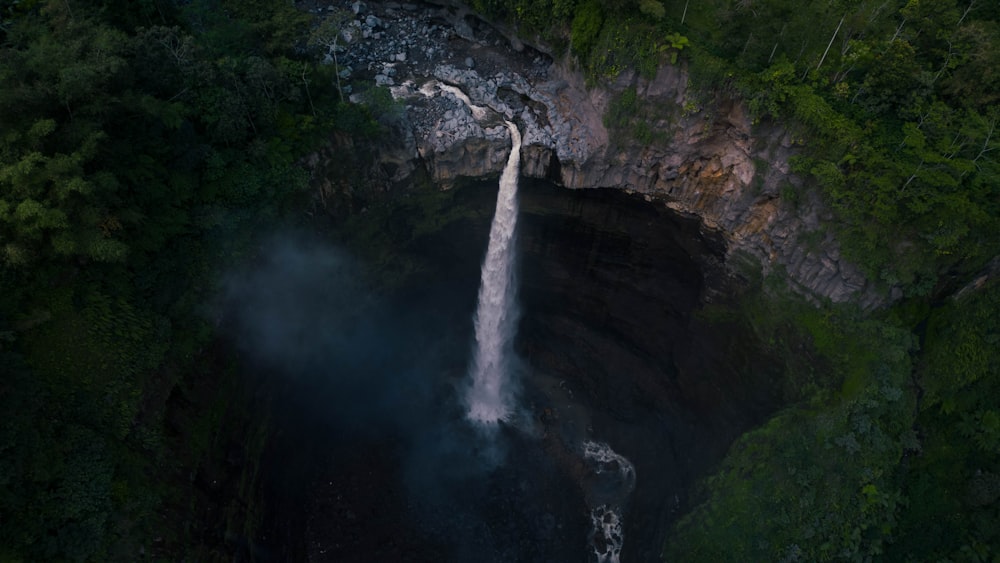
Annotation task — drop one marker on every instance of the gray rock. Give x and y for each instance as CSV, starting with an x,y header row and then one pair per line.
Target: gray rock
x,y
705,164
464,30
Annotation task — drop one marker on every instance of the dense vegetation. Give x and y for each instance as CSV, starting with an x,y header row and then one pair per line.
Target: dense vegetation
x,y
895,103
890,449
141,143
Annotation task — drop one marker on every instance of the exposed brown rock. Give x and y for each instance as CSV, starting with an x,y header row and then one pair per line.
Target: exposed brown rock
x,y
706,159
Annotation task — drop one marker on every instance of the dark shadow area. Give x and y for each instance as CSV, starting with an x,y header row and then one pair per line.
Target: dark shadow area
x,y
609,287
371,457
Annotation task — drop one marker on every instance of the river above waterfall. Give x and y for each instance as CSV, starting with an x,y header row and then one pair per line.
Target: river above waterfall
x,y
374,459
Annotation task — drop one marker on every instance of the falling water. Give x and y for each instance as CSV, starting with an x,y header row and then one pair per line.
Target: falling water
x,y
489,395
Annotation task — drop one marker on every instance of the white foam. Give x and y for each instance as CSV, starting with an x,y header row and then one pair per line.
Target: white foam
x,y
402,91
607,534
429,88
478,112
606,459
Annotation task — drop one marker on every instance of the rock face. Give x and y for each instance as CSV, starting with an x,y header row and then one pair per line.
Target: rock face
x,y
610,349
702,156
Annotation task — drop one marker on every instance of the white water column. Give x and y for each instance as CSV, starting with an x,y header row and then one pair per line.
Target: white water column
x,y
490,395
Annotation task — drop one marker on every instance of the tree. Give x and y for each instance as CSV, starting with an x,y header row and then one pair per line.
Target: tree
x,y
328,35
819,481
652,8
976,79
586,27
133,161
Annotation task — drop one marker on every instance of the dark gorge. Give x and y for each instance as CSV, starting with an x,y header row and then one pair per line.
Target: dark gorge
x,y
373,458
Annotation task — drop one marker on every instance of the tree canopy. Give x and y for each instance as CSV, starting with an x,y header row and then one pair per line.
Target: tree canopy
x,y
140,145
895,103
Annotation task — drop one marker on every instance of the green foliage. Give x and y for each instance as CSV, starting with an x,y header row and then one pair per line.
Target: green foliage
x,y
141,146
98,351
586,27
652,8
807,485
677,42
57,475
910,157
626,42
606,37
963,350
895,104
861,473
630,118
953,486
819,480
621,109
278,27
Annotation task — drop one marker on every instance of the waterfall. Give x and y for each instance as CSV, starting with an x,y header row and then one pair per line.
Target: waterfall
x,y
489,396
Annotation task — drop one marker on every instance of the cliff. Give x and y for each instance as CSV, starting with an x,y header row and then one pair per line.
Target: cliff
x,y
699,154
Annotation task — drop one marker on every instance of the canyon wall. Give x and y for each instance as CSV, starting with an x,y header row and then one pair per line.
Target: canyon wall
x,y
699,154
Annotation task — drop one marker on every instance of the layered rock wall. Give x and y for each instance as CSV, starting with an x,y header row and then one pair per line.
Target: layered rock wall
x,y
702,156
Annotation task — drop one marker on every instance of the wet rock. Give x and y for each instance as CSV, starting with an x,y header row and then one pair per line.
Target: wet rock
x,y
707,159
464,30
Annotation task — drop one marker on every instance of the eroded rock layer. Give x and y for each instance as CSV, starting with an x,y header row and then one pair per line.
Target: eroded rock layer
x,y
700,156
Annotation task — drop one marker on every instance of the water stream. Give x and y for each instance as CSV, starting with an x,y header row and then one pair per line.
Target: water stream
x,y
490,395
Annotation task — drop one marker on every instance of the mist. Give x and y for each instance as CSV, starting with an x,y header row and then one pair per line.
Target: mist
x,y
363,370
